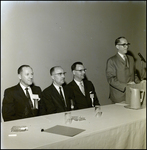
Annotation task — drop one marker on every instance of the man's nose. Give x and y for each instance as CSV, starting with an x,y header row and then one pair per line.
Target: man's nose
x,y
63,75
83,71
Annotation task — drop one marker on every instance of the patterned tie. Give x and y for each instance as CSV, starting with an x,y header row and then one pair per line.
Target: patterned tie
x,y
62,96
126,60
28,96
82,88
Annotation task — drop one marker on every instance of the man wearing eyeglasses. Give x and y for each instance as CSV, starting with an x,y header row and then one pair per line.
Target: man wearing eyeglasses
x,y
120,71
56,98
83,90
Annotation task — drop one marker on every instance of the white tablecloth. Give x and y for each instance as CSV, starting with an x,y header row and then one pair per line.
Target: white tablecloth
x,y
117,128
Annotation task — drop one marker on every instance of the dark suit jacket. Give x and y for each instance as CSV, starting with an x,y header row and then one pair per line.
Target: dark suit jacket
x,y
118,75
15,104
81,101
52,101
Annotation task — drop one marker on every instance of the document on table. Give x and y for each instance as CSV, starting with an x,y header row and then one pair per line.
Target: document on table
x,y
64,130
121,103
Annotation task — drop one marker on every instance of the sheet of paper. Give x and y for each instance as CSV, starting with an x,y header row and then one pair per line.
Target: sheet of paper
x,y
64,130
122,103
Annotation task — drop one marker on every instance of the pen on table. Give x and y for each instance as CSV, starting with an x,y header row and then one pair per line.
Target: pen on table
x,y
42,130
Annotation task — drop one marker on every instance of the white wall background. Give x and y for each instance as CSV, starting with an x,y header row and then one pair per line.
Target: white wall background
x,y
49,33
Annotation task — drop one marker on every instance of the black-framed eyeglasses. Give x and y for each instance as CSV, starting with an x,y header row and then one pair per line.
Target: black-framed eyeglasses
x,y
60,73
82,70
125,44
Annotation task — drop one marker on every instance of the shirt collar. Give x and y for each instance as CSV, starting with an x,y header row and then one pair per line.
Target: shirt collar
x,y
23,87
122,56
78,82
57,87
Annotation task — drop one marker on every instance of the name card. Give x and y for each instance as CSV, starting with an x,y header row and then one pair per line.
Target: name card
x,y
35,96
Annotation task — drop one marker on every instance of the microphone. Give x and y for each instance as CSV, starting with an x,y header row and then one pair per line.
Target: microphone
x,y
141,57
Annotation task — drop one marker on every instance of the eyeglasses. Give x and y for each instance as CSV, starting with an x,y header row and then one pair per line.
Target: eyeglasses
x,y
61,73
125,44
82,70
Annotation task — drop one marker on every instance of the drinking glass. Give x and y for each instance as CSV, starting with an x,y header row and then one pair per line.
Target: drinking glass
x,y
68,118
98,111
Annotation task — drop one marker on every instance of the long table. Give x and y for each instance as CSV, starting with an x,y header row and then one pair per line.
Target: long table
x,y
117,128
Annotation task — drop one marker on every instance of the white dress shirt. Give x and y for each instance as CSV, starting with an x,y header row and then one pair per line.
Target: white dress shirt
x,y
79,84
29,90
57,87
122,56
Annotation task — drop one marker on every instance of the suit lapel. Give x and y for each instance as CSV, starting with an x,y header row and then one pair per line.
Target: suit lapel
x,y
21,92
26,102
56,95
34,90
76,87
66,96
120,58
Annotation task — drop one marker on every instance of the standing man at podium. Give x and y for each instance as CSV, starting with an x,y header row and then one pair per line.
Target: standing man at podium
x,y
120,71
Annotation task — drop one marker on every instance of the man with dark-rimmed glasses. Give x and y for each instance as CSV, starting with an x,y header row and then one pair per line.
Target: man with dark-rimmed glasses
x,y
57,97
83,90
120,71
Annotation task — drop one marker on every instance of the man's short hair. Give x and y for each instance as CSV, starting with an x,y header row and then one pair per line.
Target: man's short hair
x,y
118,39
21,67
53,69
73,67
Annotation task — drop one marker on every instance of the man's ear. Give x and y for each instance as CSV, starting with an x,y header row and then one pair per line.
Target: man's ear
x,y
117,46
73,72
19,76
52,77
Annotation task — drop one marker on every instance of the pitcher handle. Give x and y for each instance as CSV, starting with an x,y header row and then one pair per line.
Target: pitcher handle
x,y
142,95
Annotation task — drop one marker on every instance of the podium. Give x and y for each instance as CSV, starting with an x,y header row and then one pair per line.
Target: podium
x,y
141,86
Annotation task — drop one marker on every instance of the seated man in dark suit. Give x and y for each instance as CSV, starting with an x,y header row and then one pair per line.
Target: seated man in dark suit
x,y
83,90
18,102
57,97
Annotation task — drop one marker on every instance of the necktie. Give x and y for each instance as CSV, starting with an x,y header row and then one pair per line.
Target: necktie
x,y
28,96
126,61
62,96
82,88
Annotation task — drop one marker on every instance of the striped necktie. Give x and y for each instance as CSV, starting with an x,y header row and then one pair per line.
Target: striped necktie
x,y
82,88
126,61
